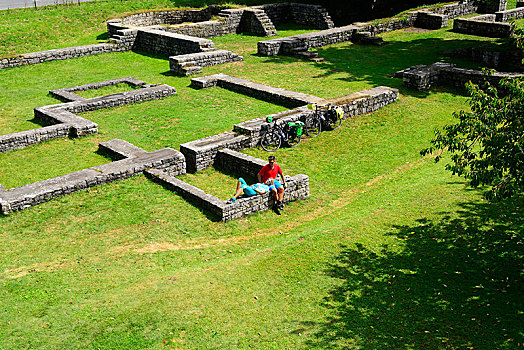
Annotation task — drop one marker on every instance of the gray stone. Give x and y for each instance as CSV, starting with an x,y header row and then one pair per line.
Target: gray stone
x,y
422,77
168,160
63,119
192,63
297,188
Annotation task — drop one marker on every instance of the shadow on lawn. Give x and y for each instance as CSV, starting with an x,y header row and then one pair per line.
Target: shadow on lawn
x,y
376,64
458,283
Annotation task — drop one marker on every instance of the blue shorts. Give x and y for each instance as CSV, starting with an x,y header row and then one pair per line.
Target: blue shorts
x,y
276,185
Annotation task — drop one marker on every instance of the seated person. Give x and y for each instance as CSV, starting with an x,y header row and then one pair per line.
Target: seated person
x,y
249,191
268,175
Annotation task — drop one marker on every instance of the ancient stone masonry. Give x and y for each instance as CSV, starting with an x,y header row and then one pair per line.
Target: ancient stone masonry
x,y
193,63
260,91
508,60
357,103
244,165
164,165
491,6
433,18
303,42
58,54
63,119
484,25
491,25
422,77
313,16
135,162
257,20
200,154
505,16
166,43
67,94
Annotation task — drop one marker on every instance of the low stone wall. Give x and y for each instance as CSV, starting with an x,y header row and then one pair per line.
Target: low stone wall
x,y
501,60
67,94
207,29
483,26
242,164
422,77
297,188
429,20
166,43
366,101
260,91
314,16
357,103
455,9
505,16
63,120
150,18
305,41
193,63
254,128
492,6
19,198
257,20
58,54
200,154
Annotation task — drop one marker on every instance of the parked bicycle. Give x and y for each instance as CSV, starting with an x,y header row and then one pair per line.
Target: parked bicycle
x,y
289,133
327,117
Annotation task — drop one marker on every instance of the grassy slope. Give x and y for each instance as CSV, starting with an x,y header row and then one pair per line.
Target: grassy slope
x,y
389,251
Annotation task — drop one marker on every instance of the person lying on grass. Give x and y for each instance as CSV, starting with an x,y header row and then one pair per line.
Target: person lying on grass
x,y
242,187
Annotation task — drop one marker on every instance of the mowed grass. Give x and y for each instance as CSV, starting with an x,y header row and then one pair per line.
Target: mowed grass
x,y
389,252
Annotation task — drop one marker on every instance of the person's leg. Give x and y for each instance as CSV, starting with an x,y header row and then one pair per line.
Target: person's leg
x,y
280,191
239,190
275,193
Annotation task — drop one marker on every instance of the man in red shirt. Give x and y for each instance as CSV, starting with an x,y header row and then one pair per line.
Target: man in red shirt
x,y
268,175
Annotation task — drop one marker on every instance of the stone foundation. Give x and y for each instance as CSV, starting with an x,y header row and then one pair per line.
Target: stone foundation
x,y
63,118
505,16
166,43
58,54
510,60
260,91
484,25
422,77
193,63
357,103
200,154
430,19
19,198
244,165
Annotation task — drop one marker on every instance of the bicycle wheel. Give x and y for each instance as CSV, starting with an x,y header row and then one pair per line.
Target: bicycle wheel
x,y
293,139
334,120
312,126
270,141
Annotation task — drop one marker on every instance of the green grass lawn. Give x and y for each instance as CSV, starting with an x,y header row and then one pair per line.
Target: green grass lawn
x,y
389,252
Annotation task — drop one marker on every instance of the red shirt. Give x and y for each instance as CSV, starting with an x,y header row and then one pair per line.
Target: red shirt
x,y
267,173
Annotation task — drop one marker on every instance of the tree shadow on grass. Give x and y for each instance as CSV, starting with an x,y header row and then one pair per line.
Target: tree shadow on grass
x,y
376,64
457,283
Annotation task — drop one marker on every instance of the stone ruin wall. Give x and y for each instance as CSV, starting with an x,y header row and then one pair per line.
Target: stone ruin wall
x,y
490,25
423,77
433,18
243,165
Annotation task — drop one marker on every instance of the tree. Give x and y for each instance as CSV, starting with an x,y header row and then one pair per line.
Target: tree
x,y
487,144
